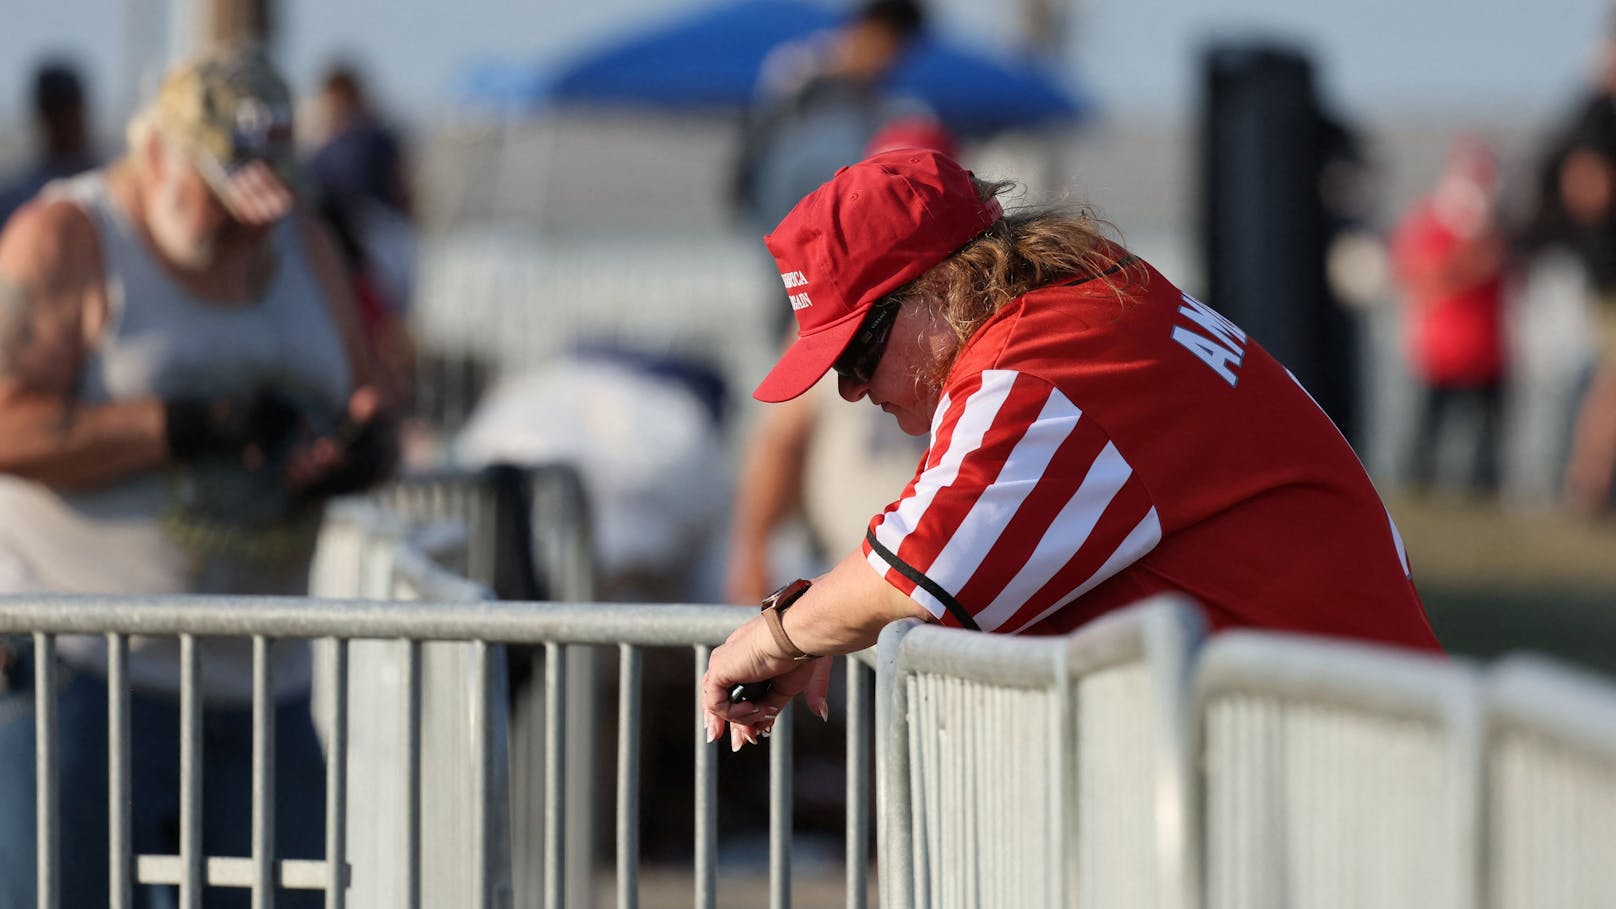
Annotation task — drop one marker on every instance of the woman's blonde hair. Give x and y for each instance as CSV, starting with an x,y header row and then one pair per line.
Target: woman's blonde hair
x,y
1024,250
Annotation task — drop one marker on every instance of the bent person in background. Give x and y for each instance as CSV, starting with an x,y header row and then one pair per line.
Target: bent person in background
x,y
1096,436
181,386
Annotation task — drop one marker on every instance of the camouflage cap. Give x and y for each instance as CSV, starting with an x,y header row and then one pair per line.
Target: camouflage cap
x,y
233,109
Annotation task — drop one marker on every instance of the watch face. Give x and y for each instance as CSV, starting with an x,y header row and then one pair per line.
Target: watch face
x,y
787,594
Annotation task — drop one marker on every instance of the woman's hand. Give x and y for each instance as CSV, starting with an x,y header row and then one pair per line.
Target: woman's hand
x,y
750,656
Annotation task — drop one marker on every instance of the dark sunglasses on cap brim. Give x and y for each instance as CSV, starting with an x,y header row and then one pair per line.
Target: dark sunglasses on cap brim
x,y
863,353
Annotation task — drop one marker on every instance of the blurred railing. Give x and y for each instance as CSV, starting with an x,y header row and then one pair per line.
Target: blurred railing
x,y
490,303
529,539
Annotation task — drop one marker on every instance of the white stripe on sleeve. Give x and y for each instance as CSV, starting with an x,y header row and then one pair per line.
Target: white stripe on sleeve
x,y
974,420
1066,536
1139,541
990,514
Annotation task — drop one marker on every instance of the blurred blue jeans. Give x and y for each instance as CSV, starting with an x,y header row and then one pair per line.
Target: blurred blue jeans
x,y
154,789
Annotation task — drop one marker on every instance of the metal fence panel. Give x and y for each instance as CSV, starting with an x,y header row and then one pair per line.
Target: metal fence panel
x,y
420,735
498,507
1134,800
1551,787
1336,775
402,840
990,742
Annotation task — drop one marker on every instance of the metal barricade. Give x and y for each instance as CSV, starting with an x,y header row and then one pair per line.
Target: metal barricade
x,y
1037,771
628,629
528,534
1135,796
1336,774
422,738
1551,787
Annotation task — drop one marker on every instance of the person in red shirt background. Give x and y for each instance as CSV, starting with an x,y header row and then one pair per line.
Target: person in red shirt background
x,y
1448,253
1096,436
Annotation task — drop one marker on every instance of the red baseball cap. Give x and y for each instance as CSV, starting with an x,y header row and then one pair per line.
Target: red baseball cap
x,y
876,226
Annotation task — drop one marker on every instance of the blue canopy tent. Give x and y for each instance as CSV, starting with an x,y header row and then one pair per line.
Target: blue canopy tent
x,y
709,61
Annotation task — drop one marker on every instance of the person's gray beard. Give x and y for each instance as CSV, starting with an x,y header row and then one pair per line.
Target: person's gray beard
x,y
189,255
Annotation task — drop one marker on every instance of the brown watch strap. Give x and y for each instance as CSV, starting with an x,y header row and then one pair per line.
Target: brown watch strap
x,y
771,618
774,607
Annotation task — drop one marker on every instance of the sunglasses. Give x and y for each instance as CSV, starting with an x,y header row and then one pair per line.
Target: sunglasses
x,y
863,354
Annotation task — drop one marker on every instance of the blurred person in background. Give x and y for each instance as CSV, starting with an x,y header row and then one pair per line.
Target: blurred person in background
x,y
61,116
1575,213
1096,436
819,102
1448,254
362,188
182,384
646,430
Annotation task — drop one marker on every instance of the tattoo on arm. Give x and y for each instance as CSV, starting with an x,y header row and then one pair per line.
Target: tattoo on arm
x,y
18,337
16,324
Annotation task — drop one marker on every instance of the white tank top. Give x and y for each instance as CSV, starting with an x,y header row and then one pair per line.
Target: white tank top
x,y
207,527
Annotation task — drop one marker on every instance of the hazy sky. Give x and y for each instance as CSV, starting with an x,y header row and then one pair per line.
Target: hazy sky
x,y
1484,61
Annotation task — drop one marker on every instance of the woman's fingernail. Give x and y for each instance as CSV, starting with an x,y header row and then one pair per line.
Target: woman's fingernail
x,y
823,712
714,727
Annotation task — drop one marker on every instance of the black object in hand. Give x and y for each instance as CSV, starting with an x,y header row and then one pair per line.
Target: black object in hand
x,y
370,452
265,420
750,693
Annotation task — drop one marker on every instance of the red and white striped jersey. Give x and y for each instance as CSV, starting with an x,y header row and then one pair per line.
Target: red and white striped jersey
x,y
1103,440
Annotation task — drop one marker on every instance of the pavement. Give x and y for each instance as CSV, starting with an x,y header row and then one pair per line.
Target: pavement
x,y
819,887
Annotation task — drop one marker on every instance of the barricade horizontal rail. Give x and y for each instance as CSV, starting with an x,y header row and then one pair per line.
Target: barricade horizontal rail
x,y
641,625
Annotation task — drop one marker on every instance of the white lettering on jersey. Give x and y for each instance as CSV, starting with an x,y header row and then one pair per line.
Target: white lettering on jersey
x,y
800,301
1222,347
793,279
1226,332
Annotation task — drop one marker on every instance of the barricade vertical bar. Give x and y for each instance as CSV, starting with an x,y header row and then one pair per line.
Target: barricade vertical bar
x,y
190,777
336,781
263,778
706,801
895,823
628,777
1063,797
412,774
555,773
780,811
46,820
482,784
120,888
582,759
858,785
527,788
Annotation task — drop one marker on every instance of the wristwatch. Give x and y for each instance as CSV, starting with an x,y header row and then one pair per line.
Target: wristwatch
x,y
774,609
